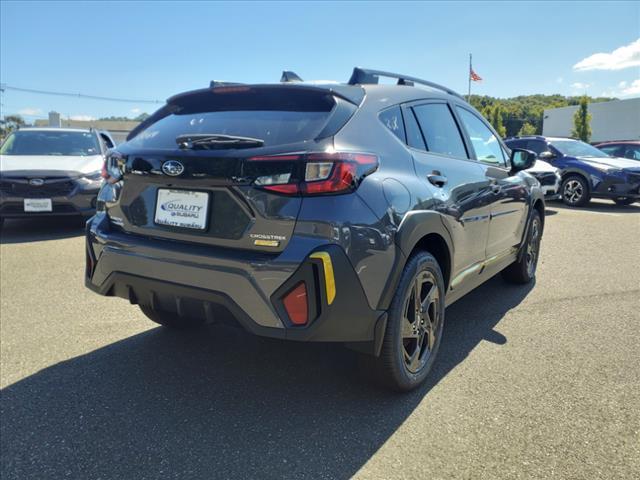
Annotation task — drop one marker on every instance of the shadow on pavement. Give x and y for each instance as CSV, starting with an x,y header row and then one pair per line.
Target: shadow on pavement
x,y
220,403
603,206
37,229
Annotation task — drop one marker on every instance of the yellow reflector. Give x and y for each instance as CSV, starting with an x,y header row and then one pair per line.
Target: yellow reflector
x,y
266,243
329,280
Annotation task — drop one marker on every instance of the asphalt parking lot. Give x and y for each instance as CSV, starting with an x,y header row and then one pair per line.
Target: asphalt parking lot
x,y
539,381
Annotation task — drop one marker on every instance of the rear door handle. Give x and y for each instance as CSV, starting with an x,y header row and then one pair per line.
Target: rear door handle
x,y
437,179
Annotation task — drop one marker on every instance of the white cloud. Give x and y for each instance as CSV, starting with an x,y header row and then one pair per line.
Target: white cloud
x,y
623,57
86,118
30,112
580,86
135,110
625,89
633,89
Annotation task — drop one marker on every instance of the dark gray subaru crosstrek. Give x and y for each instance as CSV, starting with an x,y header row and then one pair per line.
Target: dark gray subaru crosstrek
x,y
347,213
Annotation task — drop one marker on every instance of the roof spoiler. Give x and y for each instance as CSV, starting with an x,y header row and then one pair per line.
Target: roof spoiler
x,y
363,76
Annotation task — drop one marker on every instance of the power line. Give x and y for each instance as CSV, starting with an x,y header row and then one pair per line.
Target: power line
x,y
76,95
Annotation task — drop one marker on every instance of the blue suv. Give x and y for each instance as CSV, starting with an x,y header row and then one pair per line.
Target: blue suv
x,y
586,171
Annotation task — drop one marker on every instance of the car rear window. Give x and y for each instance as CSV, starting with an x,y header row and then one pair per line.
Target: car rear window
x,y
276,116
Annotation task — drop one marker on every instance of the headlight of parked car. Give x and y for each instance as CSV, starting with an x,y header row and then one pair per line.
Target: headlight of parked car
x,y
92,178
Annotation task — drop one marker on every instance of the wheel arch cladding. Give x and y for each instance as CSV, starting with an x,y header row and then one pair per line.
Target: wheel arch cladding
x,y
577,173
420,230
539,206
436,246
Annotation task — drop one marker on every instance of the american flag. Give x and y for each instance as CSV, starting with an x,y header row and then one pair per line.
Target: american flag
x,y
474,76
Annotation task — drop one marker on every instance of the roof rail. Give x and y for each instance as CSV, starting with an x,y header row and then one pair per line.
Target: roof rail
x,y
221,83
289,76
366,75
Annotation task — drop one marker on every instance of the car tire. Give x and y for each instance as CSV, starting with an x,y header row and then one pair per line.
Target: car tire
x,y
171,320
524,270
575,191
412,336
624,201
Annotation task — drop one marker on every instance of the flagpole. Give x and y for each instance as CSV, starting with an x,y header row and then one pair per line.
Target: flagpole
x,y
469,78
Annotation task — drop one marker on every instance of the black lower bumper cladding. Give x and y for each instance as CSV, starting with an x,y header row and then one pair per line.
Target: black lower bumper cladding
x,y
349,318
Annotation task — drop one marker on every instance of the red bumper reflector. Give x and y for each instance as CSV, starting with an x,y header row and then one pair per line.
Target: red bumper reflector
x,y
295,303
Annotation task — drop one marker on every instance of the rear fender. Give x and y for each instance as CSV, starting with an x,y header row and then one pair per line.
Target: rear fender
x,y
415,226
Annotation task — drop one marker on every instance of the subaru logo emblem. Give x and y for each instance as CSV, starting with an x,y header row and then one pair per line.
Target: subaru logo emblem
x,y
36,182
172,168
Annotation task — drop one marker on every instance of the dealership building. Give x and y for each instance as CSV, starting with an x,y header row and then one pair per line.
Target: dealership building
x,y
615,120
119,129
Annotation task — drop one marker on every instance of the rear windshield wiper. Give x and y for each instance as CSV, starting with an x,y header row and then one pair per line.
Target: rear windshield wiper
x,y
216,140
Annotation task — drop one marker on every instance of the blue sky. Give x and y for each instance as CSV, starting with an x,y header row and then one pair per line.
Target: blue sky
x,y
152,50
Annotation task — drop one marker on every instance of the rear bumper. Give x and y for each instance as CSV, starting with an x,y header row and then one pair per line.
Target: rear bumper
x,y
195,280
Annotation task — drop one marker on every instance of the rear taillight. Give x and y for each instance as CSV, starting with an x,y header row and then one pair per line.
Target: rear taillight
x,y
316,173
103,173
296,304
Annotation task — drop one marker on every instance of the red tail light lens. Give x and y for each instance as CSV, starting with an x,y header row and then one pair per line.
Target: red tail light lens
x,y
103,173
318,173
296,304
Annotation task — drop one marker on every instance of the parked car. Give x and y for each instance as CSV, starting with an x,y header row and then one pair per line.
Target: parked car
x,y
586,171
51,171
549,178
316,212
629,149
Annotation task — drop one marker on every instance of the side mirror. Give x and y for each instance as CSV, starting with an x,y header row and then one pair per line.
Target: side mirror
x,y
522,159
546,156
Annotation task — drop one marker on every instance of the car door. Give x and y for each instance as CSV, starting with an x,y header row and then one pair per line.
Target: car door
x,y
632,152
457,185
508,206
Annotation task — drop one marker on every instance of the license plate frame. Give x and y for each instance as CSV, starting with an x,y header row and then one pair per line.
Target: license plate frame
x,y
37,205
195,206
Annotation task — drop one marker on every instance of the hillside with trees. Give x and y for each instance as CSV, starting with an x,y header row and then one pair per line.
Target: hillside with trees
x,y
522,115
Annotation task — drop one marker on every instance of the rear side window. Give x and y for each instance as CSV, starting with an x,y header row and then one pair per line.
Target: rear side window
x,y
517,144
414,136
612,150
537,146
392,119
485,143
632,152
439,130
276,116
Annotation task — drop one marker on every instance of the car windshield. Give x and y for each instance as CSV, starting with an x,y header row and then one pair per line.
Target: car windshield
x,y
49,142
576,148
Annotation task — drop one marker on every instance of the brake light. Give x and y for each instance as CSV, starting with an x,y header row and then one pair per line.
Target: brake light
x,y
296,305
103,173
317,173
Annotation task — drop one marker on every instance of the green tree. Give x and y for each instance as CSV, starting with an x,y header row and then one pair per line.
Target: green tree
x,y
527,129
496,121
9,124
525,108
582,121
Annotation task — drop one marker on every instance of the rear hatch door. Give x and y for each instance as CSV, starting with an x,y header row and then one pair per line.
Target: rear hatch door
x,y
173,186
